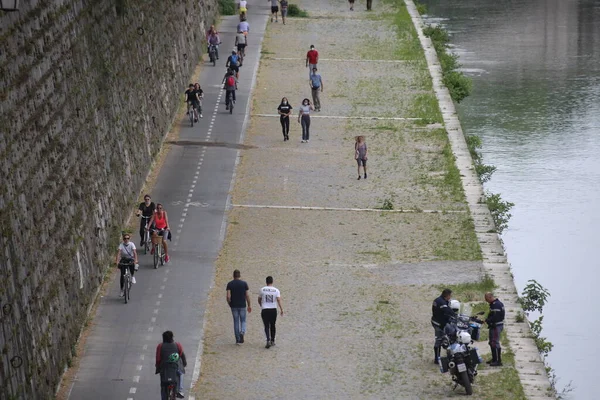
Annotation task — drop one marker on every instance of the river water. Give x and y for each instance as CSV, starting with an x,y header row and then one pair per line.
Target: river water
x,y
535,67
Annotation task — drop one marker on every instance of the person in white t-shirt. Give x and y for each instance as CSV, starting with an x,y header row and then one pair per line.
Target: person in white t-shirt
x,y
268,299
127,258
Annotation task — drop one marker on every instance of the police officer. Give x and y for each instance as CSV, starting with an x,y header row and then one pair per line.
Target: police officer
x,y
441,314
495,323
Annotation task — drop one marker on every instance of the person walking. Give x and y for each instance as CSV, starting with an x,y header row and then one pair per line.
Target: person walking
x,y
285,110
284,8
170,364
351,5
360,154
304,119
268,299
274,9
312,58
316,86
237,297
441,315
369,4
495,323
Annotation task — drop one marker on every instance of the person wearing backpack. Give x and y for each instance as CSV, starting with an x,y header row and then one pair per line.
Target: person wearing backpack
x,y
230,86
233,63
170,364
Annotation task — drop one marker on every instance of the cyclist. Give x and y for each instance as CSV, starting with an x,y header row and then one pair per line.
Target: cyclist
x,y
200,94
161,227
230,82
243,26
170,360
191,97
145,210
243,6
241,41
233,63
126,258
212,37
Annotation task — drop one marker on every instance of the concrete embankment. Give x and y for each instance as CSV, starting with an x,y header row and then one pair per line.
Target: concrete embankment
x,y
357,284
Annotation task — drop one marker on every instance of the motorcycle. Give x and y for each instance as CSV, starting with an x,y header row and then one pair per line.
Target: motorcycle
x,y
462,358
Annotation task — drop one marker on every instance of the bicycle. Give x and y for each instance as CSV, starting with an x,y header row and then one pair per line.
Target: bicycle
x,y
127,280
194,114
159,255
146,235
212,54
229,100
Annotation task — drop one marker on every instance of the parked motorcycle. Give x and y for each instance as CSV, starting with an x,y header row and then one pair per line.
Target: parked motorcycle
x,y
462,358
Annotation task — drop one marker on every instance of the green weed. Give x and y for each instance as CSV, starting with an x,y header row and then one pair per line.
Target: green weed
x,y
295,11
226,7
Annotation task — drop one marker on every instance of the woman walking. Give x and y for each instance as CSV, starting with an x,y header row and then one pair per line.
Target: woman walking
x,y
360,154
304,119
285,110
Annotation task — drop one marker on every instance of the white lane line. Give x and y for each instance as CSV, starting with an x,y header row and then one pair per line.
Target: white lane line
x,y
142,356
132,390
130,398
160,295
165,279
162,287
136,379
178,231
138,367
340,59
150,329
155,312
204,148
158,303
348,209
146,346
148,337
347,117
153,319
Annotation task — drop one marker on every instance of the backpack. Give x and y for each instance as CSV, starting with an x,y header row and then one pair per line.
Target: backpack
x,y
231,81
234,59
168,373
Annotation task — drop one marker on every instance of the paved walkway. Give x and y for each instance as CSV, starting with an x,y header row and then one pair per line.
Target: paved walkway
x,y
193,185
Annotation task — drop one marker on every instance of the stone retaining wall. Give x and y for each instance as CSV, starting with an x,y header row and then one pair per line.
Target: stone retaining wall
x,y
87,91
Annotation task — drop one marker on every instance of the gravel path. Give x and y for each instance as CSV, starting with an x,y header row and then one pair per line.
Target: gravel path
x,y
357,286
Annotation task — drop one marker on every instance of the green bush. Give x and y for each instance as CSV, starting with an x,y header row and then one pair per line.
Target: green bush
x,y
226,7
421,8
295,11
499,209
458,85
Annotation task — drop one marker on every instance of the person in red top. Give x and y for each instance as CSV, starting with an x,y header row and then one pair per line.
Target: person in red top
x,y
163,352
312,58
161,224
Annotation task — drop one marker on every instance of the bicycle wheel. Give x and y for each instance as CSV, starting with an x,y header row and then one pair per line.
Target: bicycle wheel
x,y
156,250
231,105
126,288
192,117
162,256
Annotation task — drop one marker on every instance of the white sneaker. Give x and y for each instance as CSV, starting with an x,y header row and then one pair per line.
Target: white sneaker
x,y
122,293
133,279
201,116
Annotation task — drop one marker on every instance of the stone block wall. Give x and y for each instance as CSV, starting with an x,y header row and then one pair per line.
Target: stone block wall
x,y
88,89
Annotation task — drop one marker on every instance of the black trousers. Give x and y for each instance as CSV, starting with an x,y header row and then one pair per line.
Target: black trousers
x,y
285,125
305,122
125,264
227,96
269,317
369,3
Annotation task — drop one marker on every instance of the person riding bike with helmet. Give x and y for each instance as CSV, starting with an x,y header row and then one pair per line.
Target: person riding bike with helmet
x,y
170,364
230,82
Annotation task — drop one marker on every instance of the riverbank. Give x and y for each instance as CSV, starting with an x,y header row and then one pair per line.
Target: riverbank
x,y
357,285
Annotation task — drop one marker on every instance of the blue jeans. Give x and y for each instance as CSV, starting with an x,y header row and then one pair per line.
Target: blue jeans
x,y
239,318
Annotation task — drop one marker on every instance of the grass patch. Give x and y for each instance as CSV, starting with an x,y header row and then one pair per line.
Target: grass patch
x,y
504,384
226,7
472,291
426,107
462,244
295,11
383,255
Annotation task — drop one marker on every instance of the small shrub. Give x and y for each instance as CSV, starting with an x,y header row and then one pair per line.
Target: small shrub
x,y
421,8
295,11
534,296
520,317
387,205
458,85
499,209
437,35
226,7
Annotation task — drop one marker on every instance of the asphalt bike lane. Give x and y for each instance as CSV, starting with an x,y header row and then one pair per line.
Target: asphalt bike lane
x,y
193,186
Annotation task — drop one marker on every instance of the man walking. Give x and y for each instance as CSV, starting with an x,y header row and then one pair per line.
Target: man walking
x,y
237,297
316,86
495,323
268,299
441,314
312,58
274,9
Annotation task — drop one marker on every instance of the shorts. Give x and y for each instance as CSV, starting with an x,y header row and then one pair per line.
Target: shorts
x,y
361,161
241,47
243,10
234,67
160,232
274,9
194,103
284,12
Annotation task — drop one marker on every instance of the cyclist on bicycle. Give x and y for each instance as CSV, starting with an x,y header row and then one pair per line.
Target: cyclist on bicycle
x,y
241,41
145,210
200,94
191,97
161,227
212,37
233,62
170,360
126,258
243,7
230,82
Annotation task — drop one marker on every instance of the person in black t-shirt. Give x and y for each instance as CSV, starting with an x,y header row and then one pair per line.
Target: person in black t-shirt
x,y
191,97
237,297
285,109
145,211
200,96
